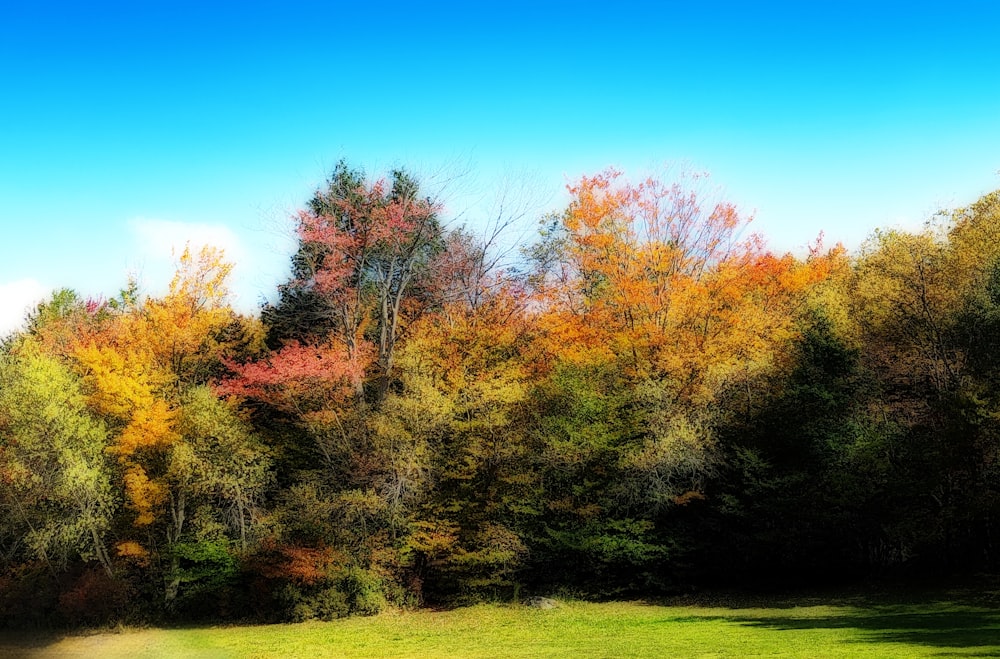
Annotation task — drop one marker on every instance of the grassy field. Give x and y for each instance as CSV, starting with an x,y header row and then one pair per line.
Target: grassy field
x,y
844,627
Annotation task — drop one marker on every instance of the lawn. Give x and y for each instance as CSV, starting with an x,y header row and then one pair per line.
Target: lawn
x,y
801,627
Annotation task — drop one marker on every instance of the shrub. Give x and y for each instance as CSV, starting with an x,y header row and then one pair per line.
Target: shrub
x,y
95,598
365,591
308,603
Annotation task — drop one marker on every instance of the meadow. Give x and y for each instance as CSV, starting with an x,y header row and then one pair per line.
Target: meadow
x,y
848,626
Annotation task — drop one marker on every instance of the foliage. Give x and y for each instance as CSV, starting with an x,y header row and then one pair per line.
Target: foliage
x,y
364,249
651,400
56,500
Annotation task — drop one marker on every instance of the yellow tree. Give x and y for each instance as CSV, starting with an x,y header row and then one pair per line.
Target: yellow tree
x,y
139,368
452,442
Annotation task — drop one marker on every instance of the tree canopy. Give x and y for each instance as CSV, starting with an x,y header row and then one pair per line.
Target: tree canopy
x,y
649,399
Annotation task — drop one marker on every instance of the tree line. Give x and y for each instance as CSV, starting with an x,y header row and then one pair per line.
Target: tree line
x,y
650,400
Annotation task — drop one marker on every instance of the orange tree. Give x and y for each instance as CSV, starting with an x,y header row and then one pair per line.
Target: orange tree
x,y
655,308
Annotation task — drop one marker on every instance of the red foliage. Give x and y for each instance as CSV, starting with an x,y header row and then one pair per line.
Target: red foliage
x,y
304,566
95,305
95,598
296,377
364,224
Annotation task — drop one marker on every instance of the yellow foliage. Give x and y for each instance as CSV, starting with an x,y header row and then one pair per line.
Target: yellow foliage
x,y
131,550
144,495
201,280
151,426
119,380
137,360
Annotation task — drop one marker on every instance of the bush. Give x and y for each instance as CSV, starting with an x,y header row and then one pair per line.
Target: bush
x,y
364,590
95,598
311,604
28,596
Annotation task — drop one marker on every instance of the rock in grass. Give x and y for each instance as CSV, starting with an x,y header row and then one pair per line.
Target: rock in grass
x,y
541,603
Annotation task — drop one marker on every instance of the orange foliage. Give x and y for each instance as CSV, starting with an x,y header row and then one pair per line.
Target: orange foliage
x,y
305,566
298,377
131,550
652,279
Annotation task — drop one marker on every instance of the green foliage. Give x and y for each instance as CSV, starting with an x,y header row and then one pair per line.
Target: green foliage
x,y
324,604
364,591
56,490
658,403
201,570
223,461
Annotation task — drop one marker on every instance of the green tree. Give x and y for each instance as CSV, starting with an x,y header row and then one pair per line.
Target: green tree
x,y
219,471
55,477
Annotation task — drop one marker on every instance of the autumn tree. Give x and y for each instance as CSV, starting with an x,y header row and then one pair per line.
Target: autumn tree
x,y
57,501
651,278
656,308
139,360
455,431
923,302
364,250
308,390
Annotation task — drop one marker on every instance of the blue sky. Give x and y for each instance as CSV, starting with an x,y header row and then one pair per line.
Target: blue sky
x,y
126,128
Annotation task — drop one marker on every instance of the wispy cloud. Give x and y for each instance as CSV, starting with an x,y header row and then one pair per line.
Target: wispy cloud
x,y
16,298
165,239
159,244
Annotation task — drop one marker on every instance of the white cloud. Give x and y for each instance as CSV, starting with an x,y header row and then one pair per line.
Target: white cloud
x,y
159,244
16,298
165,240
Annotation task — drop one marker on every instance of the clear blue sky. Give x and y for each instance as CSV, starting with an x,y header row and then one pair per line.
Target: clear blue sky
x,y
125,126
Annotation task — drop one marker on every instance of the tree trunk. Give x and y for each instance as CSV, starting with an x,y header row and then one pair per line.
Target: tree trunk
x,y
177,513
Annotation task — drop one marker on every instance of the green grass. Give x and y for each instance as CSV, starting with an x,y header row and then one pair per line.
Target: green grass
x,y
848,627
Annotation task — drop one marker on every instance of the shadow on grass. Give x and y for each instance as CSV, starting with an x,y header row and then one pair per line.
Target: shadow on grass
x,y
16,644
937,626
